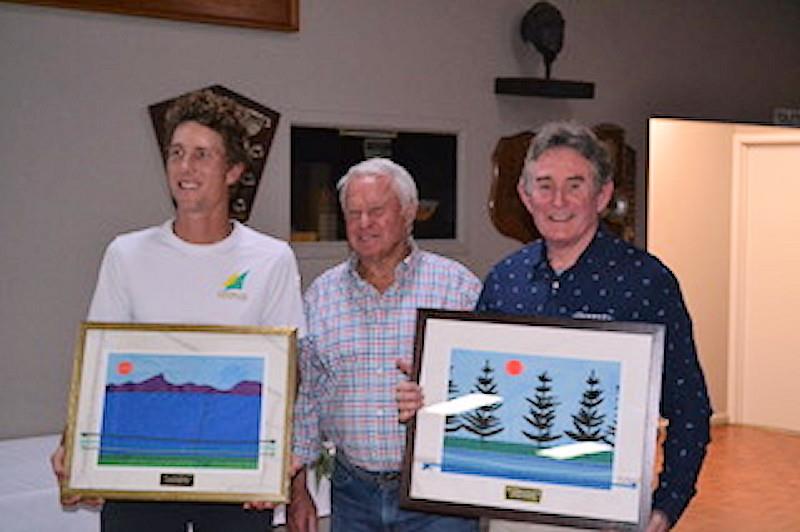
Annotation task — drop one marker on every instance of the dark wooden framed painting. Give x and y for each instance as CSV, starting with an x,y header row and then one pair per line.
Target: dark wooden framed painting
x,y
544,420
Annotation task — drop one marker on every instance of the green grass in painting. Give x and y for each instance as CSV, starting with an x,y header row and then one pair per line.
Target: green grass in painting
x,y
497,447
177,461
605,457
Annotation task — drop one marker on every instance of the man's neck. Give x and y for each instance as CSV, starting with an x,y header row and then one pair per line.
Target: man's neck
x,y
380,272
202,229
563,256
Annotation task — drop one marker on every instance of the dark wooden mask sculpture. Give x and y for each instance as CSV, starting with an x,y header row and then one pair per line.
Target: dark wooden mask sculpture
x,y
543,27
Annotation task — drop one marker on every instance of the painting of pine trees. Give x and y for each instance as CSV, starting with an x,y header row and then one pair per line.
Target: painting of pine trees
x,y
542,413
452,421
482,422
588,421
548,403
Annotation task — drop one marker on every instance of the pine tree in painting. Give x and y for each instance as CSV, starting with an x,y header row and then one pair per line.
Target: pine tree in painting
x,y
588,422
481,421
453,422
542,413
610,437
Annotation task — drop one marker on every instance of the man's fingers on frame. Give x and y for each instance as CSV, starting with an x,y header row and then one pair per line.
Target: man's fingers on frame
x,y
405,367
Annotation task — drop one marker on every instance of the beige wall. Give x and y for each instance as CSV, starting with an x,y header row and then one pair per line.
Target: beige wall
x,y
78,161
689,228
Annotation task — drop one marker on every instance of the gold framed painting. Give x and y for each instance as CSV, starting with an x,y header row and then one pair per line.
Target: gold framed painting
x,y
180,412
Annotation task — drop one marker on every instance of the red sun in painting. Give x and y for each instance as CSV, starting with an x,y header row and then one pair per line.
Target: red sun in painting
x,y
514,367
124,367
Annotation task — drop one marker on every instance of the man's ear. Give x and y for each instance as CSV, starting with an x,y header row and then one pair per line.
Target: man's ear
x,y
604,196
410,215
233,173
524,195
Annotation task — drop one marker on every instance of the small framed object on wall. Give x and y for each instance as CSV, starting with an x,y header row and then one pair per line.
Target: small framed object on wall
x,y
259,123
509,215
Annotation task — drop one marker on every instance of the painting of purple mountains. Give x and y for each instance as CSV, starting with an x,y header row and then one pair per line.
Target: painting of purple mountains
x,y
168,410
160,384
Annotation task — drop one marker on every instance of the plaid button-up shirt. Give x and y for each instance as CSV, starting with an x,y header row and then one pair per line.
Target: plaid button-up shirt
x,y
348,356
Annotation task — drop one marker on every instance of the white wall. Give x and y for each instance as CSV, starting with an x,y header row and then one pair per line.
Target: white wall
x,y
78,161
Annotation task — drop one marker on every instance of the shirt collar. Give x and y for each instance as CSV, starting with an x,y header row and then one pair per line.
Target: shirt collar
x,y
401,272
595,248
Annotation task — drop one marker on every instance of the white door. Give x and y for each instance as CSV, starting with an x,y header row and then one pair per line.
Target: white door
x,y
765,281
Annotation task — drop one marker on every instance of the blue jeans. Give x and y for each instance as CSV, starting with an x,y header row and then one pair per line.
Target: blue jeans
x,y
363,501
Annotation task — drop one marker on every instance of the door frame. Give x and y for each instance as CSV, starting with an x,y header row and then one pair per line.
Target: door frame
x,y
742,144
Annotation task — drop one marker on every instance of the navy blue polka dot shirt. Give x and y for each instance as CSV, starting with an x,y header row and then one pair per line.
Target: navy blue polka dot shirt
x,y
613,280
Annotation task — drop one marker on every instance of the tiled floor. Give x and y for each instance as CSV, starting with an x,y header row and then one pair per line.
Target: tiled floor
x,y
750,482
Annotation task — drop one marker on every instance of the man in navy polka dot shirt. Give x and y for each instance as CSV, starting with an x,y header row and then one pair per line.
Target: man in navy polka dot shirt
x,y
580,270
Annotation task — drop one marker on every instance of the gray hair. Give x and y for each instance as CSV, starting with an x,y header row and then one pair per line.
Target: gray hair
x,y
570,135
401,181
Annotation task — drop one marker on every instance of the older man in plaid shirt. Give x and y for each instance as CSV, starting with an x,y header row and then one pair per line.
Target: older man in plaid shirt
x,y
361,323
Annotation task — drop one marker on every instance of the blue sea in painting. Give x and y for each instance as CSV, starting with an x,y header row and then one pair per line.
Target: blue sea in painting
x,y
527,467
179,428
181,410
547,402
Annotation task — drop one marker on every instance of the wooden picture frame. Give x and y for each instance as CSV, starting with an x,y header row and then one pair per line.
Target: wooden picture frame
x,y
260,124
535,419
282,15
180,412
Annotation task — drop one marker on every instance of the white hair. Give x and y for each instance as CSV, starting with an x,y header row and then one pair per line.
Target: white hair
x,y
401,181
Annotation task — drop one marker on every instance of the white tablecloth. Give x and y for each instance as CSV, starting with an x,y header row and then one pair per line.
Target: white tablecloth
x,y
29,494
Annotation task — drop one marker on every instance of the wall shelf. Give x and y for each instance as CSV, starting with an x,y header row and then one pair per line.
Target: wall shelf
x,y
545,88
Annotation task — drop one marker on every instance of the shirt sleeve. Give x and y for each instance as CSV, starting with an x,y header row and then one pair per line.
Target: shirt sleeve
x,y
111,301
307,441
470,291
283,305
484,302
684,403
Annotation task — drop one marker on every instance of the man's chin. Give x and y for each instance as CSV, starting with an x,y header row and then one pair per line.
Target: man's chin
x,y
557,234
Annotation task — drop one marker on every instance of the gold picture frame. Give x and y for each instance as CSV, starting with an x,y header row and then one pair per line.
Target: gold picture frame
x,y
180,412
281,15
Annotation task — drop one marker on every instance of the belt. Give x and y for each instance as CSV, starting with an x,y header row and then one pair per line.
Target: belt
x,y
375,477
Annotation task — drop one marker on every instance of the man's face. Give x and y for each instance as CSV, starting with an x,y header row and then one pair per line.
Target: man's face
x,y
563,198
375,220
198,172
